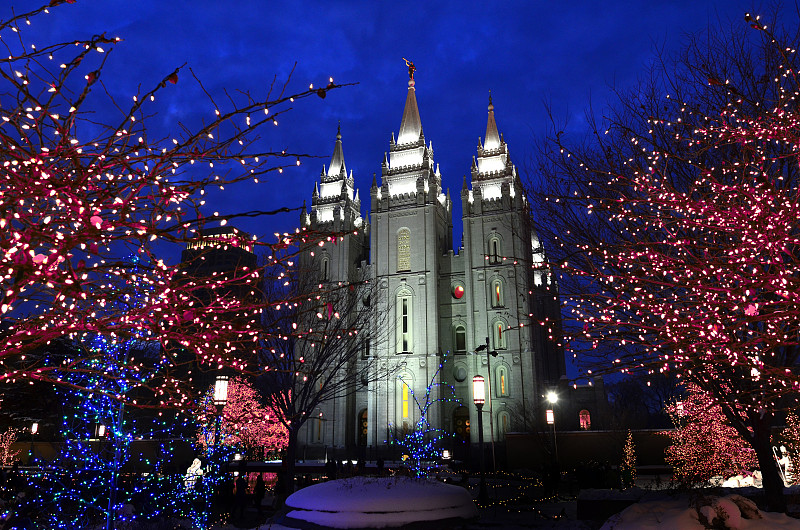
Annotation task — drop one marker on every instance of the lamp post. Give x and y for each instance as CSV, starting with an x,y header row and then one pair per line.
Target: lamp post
x,y
489,355
550,415
479,397
220,399
34,430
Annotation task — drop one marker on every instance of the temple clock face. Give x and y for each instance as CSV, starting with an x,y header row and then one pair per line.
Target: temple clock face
x,y
458,291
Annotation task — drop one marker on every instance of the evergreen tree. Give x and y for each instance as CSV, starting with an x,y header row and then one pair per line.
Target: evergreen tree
x,y
627,468
791,440
704,445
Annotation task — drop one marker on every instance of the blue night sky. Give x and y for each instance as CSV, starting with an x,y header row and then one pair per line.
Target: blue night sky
x,y
531,55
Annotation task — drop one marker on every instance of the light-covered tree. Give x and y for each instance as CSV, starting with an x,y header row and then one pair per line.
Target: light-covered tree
x,y
704,444
7,438
627,468
676,228
88,179
791,441
245,424
423,442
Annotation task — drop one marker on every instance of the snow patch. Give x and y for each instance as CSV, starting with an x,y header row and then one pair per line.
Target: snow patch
x,y
360,502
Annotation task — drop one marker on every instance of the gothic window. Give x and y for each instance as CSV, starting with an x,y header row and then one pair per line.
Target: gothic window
x,y
503,423
318,438
497,293
404,249
362,428
461,421
366,350
495,249
585,420
460,345
325,269
501,381
404,323
405,401
405,398
498,335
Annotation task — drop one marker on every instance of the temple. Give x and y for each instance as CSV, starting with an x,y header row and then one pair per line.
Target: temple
x,y
473,310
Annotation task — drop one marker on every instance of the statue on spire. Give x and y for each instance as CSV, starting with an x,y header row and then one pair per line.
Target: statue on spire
x,y
411,68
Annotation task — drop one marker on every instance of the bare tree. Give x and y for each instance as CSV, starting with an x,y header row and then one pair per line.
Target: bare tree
x,y
316,345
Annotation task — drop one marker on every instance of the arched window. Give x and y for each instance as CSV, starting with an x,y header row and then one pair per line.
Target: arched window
x,y
319,429
461,421
585,420
495,250
498,335
501,381
497,293
405,322
503,423
404,250
405,397
405,401
460,342
325,269
362,428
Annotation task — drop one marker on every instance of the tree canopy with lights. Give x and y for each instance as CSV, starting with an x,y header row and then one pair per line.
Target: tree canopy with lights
x,y
87,179
675,226
245,422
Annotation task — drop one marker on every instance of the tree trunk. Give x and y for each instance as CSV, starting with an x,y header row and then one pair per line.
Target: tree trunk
x,y
288,467
771,478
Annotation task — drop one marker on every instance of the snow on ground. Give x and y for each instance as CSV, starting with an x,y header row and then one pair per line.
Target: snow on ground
x,y
374,502
676,514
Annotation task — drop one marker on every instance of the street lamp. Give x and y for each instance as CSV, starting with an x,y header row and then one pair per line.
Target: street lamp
x,y
220,399
489,355
34,430
550,416
479,397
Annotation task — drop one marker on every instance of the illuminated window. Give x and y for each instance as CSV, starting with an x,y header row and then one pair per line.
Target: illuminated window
x,y
405,400
501,381
585,420
404,249
460,339
404,323
503,422
497,292
498,335
495,250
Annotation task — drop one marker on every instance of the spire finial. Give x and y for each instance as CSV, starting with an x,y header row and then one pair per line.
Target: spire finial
x,y
339,131
491,106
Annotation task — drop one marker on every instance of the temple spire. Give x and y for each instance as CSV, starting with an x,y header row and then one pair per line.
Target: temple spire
x,y
337,160
410,127
492,137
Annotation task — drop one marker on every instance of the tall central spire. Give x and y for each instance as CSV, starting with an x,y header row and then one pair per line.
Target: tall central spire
x,y
411,126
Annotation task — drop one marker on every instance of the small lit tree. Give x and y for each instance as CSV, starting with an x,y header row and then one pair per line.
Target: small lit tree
x,y
422,443
704,445
627,468
791,440
7,455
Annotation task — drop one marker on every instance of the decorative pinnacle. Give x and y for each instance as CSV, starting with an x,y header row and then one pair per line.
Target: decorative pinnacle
x,y
339,131
491,107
